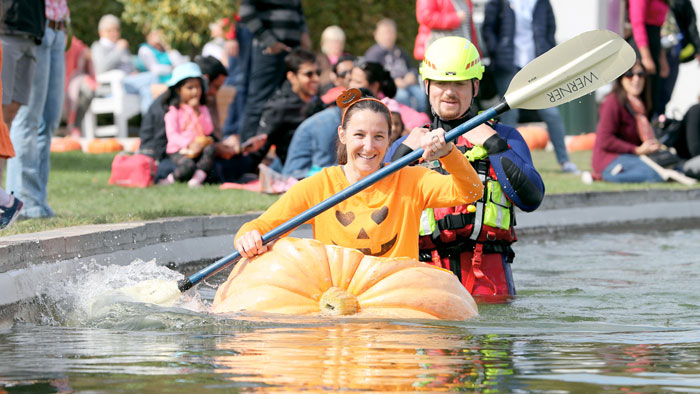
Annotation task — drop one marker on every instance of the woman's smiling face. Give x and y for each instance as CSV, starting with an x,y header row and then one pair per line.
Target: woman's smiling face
x,y
633,80
366,137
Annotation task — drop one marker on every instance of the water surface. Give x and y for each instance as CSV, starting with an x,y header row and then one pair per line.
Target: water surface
x,y
605,313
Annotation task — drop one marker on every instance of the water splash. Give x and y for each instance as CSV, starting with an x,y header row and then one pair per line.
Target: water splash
x,y
98,292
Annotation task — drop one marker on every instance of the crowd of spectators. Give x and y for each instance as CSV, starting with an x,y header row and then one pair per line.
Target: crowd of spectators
x,y
283,116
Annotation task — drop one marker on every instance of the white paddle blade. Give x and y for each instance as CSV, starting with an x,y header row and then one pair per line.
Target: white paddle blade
x,y
570,70
153,291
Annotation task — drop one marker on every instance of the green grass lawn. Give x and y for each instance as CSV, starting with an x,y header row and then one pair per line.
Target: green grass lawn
x,y
79,193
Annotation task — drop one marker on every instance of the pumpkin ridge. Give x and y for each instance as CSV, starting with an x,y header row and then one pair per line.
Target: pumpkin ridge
x,y
383,302
291,276
322,287
395,306
299,270
390,273
266,297
336,254
298,293
364,307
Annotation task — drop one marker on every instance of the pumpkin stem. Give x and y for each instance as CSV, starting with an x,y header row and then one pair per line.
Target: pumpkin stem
x,y
336,301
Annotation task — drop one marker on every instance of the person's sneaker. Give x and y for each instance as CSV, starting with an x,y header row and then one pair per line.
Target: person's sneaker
x,y
570,167
169,180
9,214
197,179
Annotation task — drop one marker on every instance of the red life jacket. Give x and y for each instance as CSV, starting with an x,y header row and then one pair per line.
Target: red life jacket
x,y
465,245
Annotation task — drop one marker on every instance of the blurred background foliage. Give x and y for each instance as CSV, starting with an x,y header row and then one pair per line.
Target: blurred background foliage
x,y
185,22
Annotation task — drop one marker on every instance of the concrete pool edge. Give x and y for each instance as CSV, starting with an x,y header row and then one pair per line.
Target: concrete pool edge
x,y
18,251
211,236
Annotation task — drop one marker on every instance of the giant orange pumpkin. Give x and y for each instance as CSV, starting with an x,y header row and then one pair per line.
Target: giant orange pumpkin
x,y
65,144
580,142
306,277
104,145
535,137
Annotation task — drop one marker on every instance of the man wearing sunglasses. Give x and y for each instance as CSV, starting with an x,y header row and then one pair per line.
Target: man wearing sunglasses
x,y
314,143
289,105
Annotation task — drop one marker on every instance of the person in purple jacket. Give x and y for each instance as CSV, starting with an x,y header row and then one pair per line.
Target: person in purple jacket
x,y
473,241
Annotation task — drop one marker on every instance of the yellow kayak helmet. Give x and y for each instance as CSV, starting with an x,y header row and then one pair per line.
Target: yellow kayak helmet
x,y
451,59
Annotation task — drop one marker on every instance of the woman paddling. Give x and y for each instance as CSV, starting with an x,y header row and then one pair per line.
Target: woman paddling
x,y
382,220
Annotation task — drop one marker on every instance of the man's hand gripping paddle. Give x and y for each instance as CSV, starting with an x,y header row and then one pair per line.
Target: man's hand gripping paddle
x,y
566,72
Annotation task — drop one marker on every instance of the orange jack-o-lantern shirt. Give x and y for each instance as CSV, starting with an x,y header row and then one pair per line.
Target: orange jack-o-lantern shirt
x,y
382,220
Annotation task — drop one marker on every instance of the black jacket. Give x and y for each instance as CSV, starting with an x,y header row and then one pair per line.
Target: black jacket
x,y
687,22
281,115
152,131
498,31
24,18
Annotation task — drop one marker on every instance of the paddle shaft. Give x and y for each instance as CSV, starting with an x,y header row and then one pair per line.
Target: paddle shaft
x,y
343,195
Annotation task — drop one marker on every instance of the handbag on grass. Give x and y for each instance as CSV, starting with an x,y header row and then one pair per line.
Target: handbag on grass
x,y
136,170
665,158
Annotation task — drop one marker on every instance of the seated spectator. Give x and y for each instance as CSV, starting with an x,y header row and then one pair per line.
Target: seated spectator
x,y
313,145
289,105
80,85
340,77
399,65
397,128
217,46
624,132
229,164
156,56
188,127
373,76
686,141
111,52
332,48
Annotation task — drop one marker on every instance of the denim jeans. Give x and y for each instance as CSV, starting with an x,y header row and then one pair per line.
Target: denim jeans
x,y
633,169
28,171
551,116
238,76
141,84
266,75
313,144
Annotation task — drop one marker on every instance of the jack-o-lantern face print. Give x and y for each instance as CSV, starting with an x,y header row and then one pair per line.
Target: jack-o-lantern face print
x,y
356,225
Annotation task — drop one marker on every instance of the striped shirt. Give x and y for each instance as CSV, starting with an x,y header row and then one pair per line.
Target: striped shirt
x,y
274,20
57,10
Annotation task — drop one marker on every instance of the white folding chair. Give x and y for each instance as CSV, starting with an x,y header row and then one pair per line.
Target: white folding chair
x,y
111,98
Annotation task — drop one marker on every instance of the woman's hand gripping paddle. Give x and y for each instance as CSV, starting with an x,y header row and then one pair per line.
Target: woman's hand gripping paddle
x,y
564,73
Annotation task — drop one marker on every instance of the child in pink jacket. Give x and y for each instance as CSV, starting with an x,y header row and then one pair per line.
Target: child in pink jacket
x,y
188,126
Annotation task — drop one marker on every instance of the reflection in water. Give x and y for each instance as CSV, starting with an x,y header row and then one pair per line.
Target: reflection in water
x,y
365,356
585,320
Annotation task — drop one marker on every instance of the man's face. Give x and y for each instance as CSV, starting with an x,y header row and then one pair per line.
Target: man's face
x,y
214,85
344,71
112,33
385,35
305,82
450,99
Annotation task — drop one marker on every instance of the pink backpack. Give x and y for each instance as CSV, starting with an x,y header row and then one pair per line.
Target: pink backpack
x,y
136,170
